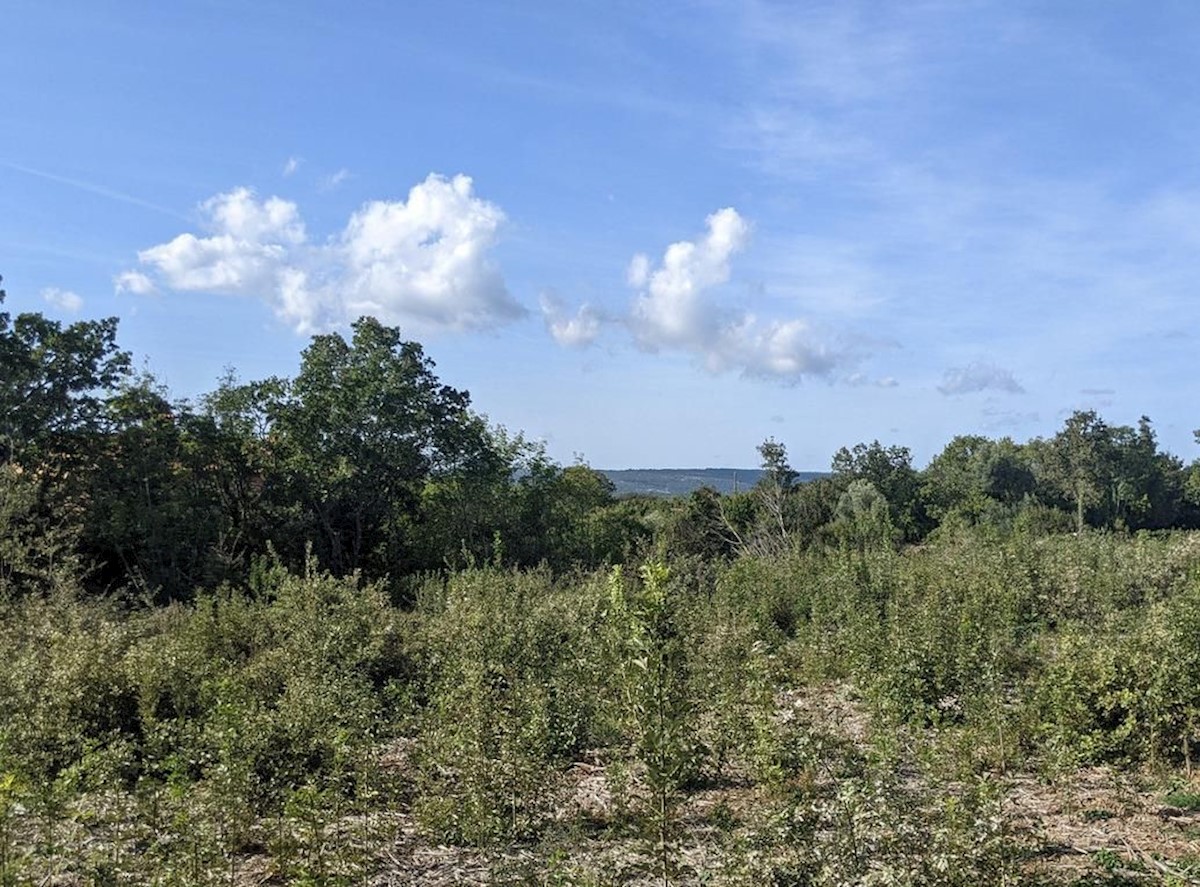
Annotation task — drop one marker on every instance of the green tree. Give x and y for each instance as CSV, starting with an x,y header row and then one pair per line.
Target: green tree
x,y
156,511
890,471
777,470
863,519
773,489
956,480
696,527
1008,473
557,514
976,479
361,430
1146,490
231,436
1077,462
53,380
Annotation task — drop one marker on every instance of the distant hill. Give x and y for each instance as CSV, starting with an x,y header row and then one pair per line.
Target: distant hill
x,y
681,481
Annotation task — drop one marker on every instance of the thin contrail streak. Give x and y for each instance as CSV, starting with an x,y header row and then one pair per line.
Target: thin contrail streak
x,y
91,188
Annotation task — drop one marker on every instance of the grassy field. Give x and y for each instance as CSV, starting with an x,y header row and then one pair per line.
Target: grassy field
x,y
977,710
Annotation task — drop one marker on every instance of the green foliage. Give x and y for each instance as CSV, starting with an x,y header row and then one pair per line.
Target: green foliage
x,y
63,690
777,471
1112,476
508,703
889,470
863,518
36,554
283,623
1184,800
177,739
360,430
52,381
656,710
778,515
1128,689
697,527
975,480
194,722
565,517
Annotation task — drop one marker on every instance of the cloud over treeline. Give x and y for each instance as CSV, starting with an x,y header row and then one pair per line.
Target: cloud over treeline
x,y
678,307
423,262
426,263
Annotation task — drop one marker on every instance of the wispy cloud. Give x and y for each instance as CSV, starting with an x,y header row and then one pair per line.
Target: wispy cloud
x,y
820,77
999,419
335,179
856,380
134,282
836,52
63,300
291,165
850,107
979,377
90,187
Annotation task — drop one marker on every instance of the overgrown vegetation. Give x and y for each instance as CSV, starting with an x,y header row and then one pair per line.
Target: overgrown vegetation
x,y
337,630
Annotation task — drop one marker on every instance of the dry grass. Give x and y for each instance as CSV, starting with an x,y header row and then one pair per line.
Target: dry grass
x,y
1097,813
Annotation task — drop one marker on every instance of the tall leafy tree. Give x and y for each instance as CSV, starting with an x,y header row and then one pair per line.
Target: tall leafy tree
x,y
973,475
695,527
1111,475
1146,490
361,429
955,481
890,472
1008,472
53,380
1077,462
244,468
152,519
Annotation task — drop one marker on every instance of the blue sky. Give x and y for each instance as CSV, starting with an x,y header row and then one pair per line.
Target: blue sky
x,y
651,234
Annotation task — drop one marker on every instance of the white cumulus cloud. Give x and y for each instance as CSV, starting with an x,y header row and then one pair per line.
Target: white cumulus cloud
x,y
240,214
134,282
673,310
677,308
423,262
777,349
63,300
577,331
427,259
639,271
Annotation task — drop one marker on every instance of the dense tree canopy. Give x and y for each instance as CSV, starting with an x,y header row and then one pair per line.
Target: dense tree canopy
x,y
368,463
891,473
364,460
52,379
359,432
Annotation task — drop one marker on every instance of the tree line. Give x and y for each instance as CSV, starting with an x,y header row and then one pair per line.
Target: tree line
x,y
1089,475
364,461
367,463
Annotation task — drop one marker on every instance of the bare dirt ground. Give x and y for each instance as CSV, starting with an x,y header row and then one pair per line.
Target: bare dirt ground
x,y
1099,817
